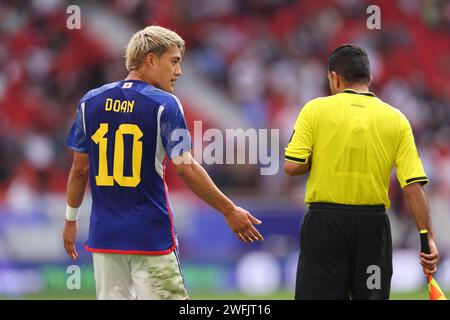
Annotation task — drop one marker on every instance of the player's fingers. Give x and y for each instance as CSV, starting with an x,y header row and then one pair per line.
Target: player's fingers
x,y
241,237
75,254
255,233
253,219
254,236
69,251
251,236
69,246
247,236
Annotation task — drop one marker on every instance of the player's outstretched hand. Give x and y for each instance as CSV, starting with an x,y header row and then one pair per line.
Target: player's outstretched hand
x,y
242,224
69,237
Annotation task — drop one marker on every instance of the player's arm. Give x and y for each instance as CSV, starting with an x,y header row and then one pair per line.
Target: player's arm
x,y
76,186
197,179
78,178
417,202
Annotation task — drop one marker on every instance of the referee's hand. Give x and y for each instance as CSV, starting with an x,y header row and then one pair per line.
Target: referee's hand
x,y
429,261
242,224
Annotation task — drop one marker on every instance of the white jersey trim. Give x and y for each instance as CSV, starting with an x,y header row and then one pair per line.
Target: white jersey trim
x,y
83,106
159,152
178,102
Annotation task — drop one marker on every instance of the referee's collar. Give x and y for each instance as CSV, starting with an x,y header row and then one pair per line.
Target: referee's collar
x,y
369,94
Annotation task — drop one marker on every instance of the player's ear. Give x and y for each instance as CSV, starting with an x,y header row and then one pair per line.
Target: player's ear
x,y
150,59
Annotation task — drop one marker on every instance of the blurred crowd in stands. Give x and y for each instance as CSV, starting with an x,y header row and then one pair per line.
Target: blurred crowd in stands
x,y
267,56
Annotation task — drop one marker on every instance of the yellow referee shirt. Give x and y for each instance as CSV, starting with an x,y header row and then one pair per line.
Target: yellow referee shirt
x,y
353,141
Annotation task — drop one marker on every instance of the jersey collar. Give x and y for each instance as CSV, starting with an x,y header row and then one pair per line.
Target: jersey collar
x,y
369,94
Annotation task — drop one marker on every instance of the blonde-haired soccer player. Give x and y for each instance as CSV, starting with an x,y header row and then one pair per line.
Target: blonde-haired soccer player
x,y
122,137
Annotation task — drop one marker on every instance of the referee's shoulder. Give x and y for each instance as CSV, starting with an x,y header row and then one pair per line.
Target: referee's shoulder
x,y
391,109
392,115
318,105
317,102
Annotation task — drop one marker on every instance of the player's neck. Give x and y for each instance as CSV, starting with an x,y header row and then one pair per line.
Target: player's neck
x,y
136,75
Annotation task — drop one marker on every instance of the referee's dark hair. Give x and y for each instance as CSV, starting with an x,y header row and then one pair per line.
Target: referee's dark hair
x,y
351,63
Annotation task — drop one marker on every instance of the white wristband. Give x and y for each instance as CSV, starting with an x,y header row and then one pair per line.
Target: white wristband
x,y
71,213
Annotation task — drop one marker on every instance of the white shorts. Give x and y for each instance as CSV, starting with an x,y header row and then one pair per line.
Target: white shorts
x,y
142,277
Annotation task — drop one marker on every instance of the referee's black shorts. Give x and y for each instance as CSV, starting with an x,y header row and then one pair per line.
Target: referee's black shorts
x,y
345,253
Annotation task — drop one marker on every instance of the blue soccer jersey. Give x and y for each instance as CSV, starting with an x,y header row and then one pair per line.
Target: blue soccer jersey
x,y
129,129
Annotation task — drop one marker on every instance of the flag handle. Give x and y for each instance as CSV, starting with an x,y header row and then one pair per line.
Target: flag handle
x,y
424,246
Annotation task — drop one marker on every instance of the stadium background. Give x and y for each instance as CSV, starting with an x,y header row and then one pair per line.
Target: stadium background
x,y
248,64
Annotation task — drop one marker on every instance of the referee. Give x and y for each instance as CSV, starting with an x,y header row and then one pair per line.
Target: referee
x,y
350,142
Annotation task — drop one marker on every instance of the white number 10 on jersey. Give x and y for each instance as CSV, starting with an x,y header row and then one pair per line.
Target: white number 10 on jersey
x,y
103,179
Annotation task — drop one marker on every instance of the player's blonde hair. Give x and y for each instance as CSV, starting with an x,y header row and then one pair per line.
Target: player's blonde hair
x,y
154,39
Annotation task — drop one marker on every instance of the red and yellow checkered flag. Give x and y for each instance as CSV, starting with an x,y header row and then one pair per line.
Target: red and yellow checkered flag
x,y
433,288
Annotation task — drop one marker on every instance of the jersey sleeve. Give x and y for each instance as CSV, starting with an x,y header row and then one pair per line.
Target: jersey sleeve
x,y
175,135
76,139
301,143
408,165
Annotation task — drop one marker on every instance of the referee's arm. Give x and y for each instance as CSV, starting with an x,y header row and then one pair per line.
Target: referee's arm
x,y
412,177
295,169
297,157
